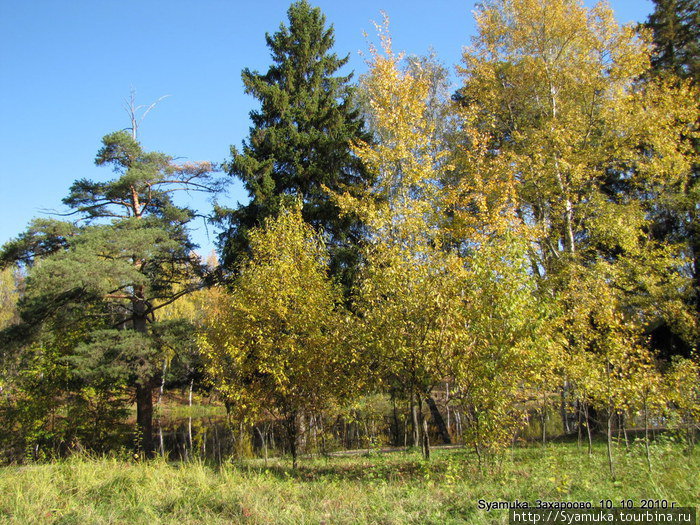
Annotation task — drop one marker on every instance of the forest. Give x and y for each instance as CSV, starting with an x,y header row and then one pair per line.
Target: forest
x,y
506,263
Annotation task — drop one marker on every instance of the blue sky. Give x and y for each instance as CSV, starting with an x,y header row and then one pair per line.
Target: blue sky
x,y
66,67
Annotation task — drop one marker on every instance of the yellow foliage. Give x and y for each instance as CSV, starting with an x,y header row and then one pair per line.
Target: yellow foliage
x,y
273,342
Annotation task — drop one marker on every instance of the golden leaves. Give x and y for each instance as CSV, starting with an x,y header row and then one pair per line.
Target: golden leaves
x,y
275,341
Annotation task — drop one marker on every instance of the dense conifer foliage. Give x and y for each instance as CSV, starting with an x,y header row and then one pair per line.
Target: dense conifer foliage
x,y
103,277
300,139
675,26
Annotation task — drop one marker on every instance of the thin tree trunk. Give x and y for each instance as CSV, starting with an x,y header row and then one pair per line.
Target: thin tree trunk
x,y
477,442
578,417
162,381
292,432
264,443
646,434
189,431
426,439
588,429
543,415
405,431
315,433
609,433
447,406
396,437
322,429
564,414
217,443
416,425
160,438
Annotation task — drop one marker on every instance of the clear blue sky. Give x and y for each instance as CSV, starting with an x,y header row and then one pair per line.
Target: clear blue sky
x,y
67,65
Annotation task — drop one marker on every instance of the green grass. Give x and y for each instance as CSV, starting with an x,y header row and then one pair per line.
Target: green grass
x,y
388,488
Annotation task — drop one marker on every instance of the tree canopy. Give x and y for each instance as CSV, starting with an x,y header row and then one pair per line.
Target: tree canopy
x,y
299,142
126,256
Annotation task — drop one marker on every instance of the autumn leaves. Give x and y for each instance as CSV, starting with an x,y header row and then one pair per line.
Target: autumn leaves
x,y
509,254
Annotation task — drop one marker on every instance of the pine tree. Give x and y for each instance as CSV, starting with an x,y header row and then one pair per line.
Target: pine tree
x,y
300,140
127,255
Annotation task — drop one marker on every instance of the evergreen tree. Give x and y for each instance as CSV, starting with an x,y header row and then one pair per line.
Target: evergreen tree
x,y
675,26
299,143
128,255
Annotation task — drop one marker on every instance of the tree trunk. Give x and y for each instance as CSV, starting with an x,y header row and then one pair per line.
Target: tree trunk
x,y
426,439
579,421
416,425
439,422
623,421
447,407
301,431
563,408
405,431
543,417
189,431
292,436
162,381
264,443
646,434
695,248
160,439
217,444
144,385
594,420
477,439
609,433
144,417
588,429
395,426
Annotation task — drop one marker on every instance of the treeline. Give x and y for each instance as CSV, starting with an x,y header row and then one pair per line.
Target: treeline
x,y
528,239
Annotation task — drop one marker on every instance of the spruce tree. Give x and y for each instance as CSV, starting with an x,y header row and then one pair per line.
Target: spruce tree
x,y
675,26
299,142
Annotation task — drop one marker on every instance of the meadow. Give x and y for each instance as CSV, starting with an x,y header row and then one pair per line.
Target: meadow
x,y
387,488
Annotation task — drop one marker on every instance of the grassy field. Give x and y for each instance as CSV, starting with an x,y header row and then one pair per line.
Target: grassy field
x,y
389,488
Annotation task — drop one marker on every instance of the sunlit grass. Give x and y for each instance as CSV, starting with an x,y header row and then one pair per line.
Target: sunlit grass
x,y
376,488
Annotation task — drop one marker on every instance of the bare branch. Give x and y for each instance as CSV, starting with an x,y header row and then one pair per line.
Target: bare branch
x,y
132,109
152,106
